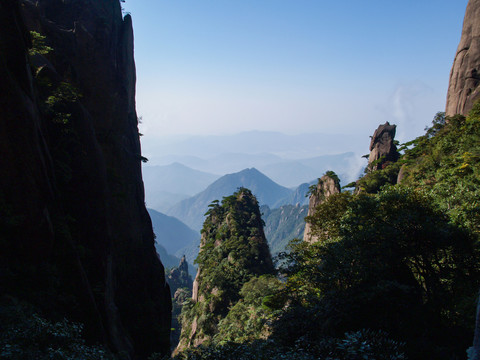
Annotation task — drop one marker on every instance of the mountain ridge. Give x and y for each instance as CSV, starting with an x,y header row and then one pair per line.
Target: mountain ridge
x,y
191,211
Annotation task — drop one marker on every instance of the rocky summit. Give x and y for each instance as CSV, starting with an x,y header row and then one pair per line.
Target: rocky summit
x,y
382,147
463,89
327,185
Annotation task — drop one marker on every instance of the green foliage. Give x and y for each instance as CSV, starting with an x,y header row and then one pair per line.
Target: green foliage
x,y
389,261
363,344
373,181
58,108
334,176
25,335
392,258
233,251
234,247
350,185
247,319
446,163
61,97
39,46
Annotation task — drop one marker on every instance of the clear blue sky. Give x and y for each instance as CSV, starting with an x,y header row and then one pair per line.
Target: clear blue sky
x,y
225,66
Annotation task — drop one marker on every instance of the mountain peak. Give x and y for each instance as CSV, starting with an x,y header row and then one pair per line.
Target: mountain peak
x,y
464,86
191,211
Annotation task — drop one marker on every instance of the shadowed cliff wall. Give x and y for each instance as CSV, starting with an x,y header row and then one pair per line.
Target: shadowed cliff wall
x,y
76,240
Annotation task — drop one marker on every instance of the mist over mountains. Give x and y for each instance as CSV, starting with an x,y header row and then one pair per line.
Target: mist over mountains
x,y
250,142
191,211
178,233
167,185
180,168
185,174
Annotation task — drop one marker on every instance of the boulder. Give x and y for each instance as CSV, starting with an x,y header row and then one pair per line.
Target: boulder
x,y
382,147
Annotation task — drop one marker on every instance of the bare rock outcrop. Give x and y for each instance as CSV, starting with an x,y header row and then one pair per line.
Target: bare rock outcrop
x,y
327,186
382,147
463,88
178,277
181,288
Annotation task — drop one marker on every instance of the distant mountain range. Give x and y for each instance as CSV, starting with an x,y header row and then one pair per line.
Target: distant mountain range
x,y
188,175
291,173
283,224
174,239
191,211
251,142
169,188
167,185
297,197
184,175
175,234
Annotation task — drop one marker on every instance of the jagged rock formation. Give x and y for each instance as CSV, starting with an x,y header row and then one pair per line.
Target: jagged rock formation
x,y
233,250
463,92
181,287
327,185
76,240
463,89
382,147
179,277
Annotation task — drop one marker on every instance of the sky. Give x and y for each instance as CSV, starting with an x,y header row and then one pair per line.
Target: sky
x,y
212,67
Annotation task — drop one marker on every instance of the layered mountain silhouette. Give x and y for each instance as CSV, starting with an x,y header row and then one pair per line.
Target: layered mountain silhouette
x,y
191,211
188,175
171,233
169,184
252,142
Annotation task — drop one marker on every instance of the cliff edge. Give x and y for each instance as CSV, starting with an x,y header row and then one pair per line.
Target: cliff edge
x,y
463,88
76,240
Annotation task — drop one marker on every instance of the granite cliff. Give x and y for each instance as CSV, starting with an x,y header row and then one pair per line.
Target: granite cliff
x,y
382,147
327,185
463,89
76,240
181,285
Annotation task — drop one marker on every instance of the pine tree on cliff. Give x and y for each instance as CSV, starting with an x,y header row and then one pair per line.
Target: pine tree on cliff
x,y
233,249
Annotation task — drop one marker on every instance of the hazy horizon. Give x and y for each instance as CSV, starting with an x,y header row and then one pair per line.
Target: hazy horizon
x,y
217,68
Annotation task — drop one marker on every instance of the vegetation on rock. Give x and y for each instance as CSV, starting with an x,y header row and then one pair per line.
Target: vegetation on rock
x,y
233,251
393,274
180,284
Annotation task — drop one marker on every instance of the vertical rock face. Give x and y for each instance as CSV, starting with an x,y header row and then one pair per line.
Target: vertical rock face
x,y
76,240
463,89
382,147
233,249
181,287
179,277
327,186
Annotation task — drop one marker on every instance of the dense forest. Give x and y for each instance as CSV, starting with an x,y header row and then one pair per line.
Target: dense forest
x,y
394,273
